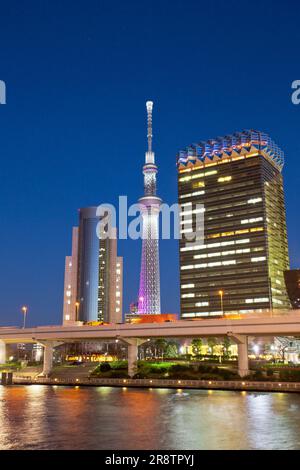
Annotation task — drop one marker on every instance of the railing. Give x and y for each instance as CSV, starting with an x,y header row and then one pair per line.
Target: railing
x,y
165,383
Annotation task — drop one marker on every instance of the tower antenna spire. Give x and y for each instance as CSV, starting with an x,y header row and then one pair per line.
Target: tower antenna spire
x,y
149,153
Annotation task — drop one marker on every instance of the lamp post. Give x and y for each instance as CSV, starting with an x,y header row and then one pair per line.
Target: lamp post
x,y
221,293
24,311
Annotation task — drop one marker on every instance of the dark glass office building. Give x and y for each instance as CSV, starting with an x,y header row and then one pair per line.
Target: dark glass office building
x,y
99,278
292,282
238,268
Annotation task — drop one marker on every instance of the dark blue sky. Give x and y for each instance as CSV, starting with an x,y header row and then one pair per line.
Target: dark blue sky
x,y
73,131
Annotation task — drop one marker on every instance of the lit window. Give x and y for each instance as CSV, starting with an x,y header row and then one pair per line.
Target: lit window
x,y
227,263
190,266
187,286
251,221
254,200
195,211
187,296
224,179
257,300
200,184
184,179
195,193
67,317
207,173
202,304
258,259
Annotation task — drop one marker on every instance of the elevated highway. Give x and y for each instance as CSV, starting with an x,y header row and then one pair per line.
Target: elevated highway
x,y
281,324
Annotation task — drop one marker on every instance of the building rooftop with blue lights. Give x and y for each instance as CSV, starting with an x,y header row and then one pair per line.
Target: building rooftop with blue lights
x,y
234,146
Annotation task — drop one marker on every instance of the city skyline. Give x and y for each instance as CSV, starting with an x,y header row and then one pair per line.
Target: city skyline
x,y
60,153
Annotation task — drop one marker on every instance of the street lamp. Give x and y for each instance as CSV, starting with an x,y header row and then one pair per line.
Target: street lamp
x,y
24,311
221,293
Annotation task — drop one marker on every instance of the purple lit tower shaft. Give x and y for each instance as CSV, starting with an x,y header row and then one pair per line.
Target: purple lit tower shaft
x,y
149,292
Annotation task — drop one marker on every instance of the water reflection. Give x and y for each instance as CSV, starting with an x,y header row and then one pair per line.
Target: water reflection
x,y
40,417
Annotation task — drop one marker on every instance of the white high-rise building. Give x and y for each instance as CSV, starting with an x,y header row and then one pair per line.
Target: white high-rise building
x,y
149,291
70,306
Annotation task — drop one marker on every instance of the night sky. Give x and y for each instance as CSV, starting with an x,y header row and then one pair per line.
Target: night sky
x,y
73,131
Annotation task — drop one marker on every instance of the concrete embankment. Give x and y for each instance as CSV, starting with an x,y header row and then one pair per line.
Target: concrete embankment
x,y
239,385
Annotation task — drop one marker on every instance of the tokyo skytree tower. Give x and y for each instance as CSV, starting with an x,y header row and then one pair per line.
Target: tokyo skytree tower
x,y
149,292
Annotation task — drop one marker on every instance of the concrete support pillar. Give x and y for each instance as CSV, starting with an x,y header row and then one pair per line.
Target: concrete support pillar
x,y
48,356
243,361
2,352
133,344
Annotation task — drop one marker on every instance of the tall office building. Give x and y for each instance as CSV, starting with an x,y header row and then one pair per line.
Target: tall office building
x,y
239,266
70,284
149,290
97,273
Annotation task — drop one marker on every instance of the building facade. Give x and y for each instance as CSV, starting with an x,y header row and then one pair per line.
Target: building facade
x,y
292,282
70,283
149,289
238,265
95,274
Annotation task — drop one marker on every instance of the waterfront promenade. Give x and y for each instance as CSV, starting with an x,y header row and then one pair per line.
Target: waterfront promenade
x,y
162,383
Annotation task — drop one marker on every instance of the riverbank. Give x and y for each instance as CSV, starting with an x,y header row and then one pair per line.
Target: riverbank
x,y
238,385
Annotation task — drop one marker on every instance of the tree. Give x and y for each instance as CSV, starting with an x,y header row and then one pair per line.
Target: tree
x,y
161,346
172,349
212,343
226,345
105,367
197,345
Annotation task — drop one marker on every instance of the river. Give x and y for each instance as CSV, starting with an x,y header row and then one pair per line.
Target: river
x,y
55,417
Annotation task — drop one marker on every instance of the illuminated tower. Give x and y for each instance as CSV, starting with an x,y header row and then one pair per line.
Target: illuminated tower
x,y
149,292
